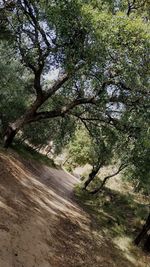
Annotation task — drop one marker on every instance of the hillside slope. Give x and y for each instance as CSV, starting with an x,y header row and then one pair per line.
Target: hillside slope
x,y
41,224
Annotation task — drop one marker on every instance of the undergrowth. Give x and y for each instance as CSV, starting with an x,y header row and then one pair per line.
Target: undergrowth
x,y
27,152
115,213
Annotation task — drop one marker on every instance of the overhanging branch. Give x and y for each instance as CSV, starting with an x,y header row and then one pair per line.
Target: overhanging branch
x,y
63,110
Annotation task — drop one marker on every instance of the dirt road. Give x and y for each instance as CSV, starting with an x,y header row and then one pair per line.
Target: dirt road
x,y
41,225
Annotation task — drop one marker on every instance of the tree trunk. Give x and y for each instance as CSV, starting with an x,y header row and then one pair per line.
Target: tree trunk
x,y
92,176
12,130
9,136
147,244
31,115
14,127
140,236
99,189
143,233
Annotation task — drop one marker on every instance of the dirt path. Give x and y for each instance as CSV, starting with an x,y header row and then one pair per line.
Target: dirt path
x,y
41,225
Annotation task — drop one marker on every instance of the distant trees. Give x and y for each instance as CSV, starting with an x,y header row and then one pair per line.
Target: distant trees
x,y
103,145
92,146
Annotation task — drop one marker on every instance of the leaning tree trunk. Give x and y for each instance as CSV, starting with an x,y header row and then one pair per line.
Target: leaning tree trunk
x,y
92,176
143,233
41,96
9,136
147,244
100,188
13,128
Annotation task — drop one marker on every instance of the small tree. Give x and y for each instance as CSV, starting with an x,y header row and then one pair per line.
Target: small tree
x,y
92,145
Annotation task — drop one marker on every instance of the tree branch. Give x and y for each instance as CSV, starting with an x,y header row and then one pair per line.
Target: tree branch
x,y
122,166
60,81
34,19
134,6
52,89
63,110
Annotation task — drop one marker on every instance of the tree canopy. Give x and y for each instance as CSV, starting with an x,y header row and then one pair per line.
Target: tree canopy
x,y
65,63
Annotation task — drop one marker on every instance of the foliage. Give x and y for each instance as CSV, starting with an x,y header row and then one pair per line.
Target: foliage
x,y
28,152
99,52
139,171
58,131
13,87
116,213
93,146
80,148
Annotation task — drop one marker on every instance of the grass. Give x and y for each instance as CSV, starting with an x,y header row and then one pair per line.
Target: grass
x,y
116,213
28,152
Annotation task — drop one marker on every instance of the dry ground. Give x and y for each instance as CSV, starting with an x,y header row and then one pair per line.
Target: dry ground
x,y
41,224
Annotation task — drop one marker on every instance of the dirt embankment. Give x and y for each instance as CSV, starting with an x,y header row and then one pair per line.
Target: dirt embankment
x,y
41,225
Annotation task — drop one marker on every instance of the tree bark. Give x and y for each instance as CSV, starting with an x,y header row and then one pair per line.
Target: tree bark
x,y
147,244
32,115
9,136
122,166
15,126
92,176
143,232
11,132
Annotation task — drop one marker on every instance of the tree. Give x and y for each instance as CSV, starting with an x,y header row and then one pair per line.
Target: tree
x,y
80,149
101,59
59,132
5,33
142,235
14,94
137,153
100,188
136,5
103,143
93,145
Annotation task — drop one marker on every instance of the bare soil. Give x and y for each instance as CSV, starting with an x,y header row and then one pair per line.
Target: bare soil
x,y
41,224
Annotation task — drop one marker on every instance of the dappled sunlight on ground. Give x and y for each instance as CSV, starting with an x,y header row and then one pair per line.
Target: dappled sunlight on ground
x,y
41,224
125,243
